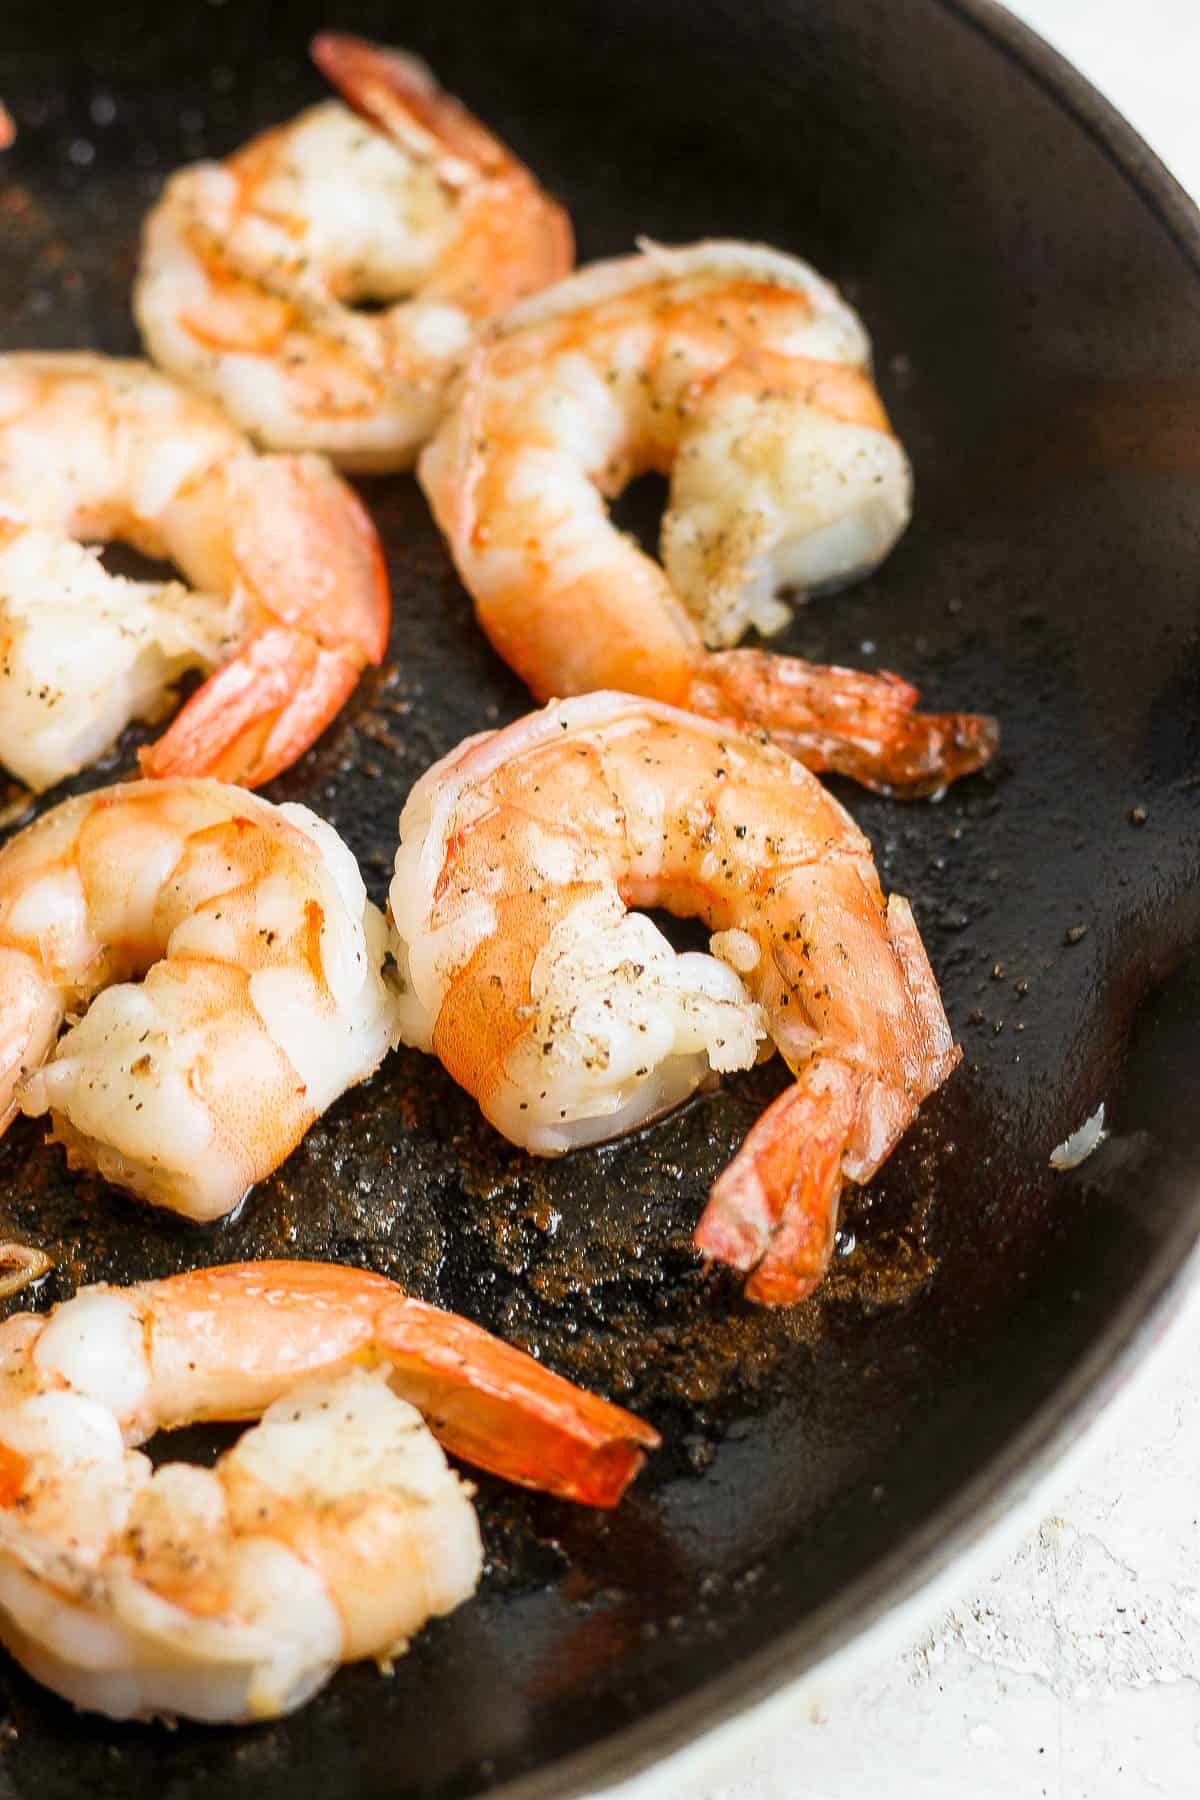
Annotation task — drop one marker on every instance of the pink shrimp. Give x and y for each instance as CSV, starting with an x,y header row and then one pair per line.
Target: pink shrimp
x,y
332,1530
291,601
572,1020
253,270
741,374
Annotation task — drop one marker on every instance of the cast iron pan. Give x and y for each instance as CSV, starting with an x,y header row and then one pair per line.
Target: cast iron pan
x,y
1030,277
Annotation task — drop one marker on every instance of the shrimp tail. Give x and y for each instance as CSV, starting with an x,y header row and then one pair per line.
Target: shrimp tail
x,y
259,712
773,1211
310,561
830,718
518,240
397,93
485,1400
500,1410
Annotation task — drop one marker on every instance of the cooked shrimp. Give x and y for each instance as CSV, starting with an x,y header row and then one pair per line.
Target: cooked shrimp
x,y
26,1265
255,271
571,1020
292,596
741,374
332,1530
231,968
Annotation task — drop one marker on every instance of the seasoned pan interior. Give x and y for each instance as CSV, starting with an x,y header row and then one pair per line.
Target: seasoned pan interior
x,y
1036,315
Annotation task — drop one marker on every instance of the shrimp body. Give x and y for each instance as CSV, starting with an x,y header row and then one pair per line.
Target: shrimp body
x,y
254,271
740,373
230,966
331,1531
291,597
571,1019
86,652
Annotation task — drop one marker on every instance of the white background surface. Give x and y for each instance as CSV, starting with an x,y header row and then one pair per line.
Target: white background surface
x,y
1069,1668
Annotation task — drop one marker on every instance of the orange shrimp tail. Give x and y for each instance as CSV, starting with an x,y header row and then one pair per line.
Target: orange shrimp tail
x,y
500,1410
518,240
259,712
310,562
864,726
395,91
487,1402
773,1211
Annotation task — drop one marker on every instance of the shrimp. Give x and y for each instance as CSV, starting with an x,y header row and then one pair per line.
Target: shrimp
x,y
292,599
26,1265
332,1530
231,968
571,1020
740,373
255,272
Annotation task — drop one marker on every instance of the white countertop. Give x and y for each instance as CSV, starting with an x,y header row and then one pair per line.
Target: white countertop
x,y
1068,1667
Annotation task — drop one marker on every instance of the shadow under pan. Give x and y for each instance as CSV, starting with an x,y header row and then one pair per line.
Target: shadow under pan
x,y
1029,275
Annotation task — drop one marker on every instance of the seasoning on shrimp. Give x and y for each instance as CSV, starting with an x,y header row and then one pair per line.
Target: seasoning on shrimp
x,y
331,1531
230,973
571,1019
291,597
255,271
742,375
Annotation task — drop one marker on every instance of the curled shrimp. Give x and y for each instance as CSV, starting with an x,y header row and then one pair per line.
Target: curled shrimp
x,y
291,597
740,373
26,1267
254,271
229,970
331,1531
571,1019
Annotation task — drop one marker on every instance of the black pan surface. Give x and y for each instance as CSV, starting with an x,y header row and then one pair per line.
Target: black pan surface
x,y
1030,277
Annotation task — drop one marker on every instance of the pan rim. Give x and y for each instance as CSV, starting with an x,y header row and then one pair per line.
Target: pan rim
x,y
979,1508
